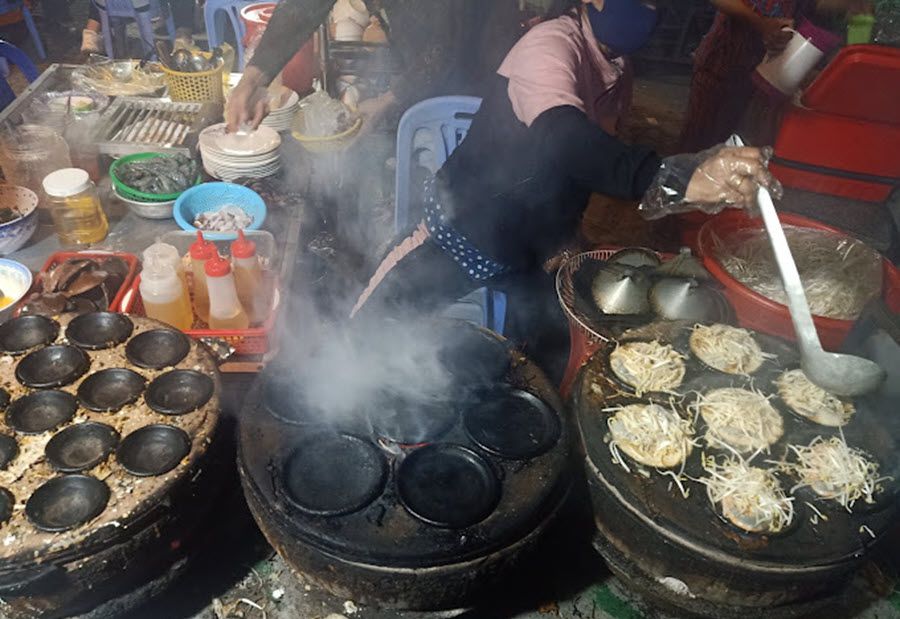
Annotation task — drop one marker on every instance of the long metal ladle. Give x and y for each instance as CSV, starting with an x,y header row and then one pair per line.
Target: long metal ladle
x,y
843,375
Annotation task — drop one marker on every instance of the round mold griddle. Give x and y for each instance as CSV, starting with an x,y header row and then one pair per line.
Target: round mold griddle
x,y
511,423
41,411
333,474
9,449
179,392
107,391
448,486
99,330
65,502
285,401
153,450
53,366
473,358
157,349
26,332
7,500
408,422
81,447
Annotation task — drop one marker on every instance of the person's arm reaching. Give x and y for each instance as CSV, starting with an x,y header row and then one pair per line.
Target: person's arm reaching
x,y
771,29
708,181
291,25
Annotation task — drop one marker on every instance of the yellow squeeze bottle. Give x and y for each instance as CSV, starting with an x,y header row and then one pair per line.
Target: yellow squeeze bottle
x,y
164,297
248,278
225,310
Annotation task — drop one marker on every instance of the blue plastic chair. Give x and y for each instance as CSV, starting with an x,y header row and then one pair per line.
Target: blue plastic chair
x,y
8,6
11,54
124,9
215,14
428,132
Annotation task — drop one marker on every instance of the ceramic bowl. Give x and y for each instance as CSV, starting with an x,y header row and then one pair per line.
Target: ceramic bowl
x,y
14,234
15,281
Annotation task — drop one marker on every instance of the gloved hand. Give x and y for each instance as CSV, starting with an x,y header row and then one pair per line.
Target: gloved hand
x,y
731,177
709,181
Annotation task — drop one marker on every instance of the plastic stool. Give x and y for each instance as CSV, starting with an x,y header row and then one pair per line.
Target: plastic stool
x,y
7,6
435,127
124,9
11,54
214,15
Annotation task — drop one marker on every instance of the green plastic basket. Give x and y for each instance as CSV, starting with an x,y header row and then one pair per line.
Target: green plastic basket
x,y
133,194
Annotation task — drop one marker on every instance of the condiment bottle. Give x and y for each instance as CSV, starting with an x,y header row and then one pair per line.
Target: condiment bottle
x,y
167,254
248,278
75,207
200,252
225,310
164,296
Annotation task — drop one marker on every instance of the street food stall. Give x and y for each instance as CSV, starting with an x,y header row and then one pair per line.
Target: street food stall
x,y
150,271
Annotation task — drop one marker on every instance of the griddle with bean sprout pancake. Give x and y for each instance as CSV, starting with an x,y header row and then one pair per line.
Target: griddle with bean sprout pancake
x,y
648,366
811,401
727,349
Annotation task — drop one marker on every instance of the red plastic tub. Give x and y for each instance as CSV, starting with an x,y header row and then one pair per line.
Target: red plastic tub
x,y
755,311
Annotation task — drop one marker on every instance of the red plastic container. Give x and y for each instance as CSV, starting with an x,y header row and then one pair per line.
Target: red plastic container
x,y
863,82
253,341
757,312
837,155
130,259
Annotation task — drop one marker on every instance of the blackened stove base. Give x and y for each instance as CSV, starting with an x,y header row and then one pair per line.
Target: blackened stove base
x,y
449,586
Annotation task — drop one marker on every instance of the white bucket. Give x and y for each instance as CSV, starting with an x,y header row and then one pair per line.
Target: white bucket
x,y
787,70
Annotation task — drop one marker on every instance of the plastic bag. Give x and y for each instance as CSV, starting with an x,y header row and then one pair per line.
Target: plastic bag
x,y
714,177
322,116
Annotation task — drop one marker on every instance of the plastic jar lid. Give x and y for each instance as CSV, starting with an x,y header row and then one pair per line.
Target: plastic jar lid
x,y
66,182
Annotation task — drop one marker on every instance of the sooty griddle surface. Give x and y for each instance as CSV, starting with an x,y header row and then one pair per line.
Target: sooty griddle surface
x,y
693,520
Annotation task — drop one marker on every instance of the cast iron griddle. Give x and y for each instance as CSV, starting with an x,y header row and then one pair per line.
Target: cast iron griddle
x,y
692,522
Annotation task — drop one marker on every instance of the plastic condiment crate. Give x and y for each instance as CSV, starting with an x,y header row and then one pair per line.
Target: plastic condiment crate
x,y
252,341
130,260
757,312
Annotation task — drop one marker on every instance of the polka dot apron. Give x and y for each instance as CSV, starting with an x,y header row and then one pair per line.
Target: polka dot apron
x,y
455,244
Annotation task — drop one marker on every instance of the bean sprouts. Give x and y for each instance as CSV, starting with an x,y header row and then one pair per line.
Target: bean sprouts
x,y
840,275
750,497
741,419
811,401
649,434
836,471
727,349
648,366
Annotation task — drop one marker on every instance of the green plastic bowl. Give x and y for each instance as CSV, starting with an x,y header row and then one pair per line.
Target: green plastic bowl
x,y
139,196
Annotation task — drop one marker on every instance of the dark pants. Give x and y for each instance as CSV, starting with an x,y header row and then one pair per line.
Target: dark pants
x,y
427,280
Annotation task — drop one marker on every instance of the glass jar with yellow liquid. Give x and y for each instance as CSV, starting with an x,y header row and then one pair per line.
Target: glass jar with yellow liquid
x,y
75,207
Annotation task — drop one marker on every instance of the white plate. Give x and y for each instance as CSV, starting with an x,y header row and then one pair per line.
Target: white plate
x,y
241,163
263,140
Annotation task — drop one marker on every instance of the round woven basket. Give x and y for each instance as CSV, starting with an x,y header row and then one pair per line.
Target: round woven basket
x,y
201,86
329,143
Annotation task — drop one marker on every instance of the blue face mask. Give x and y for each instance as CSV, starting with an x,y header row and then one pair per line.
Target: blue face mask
x,y
624,26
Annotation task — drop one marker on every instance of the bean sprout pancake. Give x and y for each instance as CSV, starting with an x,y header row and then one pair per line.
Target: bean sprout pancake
x,y
749,497
811,401
648,366
739,418
834,470
727,349
650,434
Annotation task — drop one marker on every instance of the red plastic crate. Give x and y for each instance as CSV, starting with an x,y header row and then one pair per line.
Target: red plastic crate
x,y
253,341
837,155
61,256
757,312
862,81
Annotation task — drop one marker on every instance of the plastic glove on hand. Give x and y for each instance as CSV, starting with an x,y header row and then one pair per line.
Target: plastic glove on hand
x,y
730,177
247,104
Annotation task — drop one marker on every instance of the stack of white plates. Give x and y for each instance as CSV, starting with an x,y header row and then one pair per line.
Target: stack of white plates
x,y
283,107
230,156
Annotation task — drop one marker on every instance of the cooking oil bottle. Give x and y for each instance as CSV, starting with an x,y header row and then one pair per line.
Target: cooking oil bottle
x,y
225,310
164,296
248,278
200,252
167,254
75,207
